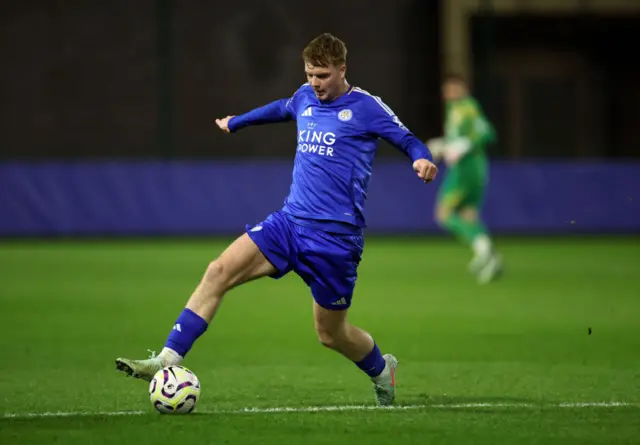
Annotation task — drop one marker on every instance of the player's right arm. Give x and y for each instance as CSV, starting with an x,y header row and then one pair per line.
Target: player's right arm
x,y
281,110
276,111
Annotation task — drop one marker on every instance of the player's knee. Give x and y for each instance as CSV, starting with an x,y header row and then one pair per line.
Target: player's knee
x,y
469,214
442,214
215,274
328,339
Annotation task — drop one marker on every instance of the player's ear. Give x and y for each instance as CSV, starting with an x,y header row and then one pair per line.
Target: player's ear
x,y
342,71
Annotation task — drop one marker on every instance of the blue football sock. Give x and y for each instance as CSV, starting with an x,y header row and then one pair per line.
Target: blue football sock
x,y
188,327
373,364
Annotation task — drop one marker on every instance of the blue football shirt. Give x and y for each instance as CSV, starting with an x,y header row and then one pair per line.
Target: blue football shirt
x,y
336,146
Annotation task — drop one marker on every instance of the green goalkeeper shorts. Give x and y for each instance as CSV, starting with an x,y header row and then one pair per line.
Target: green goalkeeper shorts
x,y
464,184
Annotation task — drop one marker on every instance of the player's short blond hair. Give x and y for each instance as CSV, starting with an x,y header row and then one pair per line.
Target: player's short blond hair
x,y
324,51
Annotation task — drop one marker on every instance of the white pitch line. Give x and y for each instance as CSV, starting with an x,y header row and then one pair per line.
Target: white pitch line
x,y
460,406
339,408
70,414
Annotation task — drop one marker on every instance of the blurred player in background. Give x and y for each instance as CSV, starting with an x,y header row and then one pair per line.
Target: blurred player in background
x,y
461,195
318,232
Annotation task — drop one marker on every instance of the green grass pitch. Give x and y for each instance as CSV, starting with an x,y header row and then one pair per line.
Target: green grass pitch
x,y
509,363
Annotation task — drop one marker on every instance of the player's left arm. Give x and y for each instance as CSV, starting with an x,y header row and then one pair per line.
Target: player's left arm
x,y
384,123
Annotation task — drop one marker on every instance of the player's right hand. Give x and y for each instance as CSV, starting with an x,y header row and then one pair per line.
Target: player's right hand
x,y
224,123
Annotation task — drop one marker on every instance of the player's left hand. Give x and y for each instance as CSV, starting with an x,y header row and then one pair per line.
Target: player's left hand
x,y
426,169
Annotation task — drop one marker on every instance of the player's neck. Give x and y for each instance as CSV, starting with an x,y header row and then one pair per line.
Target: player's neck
x,y
344,87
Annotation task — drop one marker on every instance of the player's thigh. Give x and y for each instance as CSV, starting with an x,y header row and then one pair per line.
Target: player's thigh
x,y
329,263
241,262
450,192
473,176
275,238
448,202
473,198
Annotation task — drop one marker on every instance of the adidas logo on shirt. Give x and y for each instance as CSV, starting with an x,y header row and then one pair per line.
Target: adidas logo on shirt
x,y
307,112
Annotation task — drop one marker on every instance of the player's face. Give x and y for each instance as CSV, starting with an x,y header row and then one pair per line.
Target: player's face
x,y
327,82
453,90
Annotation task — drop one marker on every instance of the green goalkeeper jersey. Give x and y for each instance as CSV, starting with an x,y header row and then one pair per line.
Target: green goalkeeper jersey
x,y
465,181
465,119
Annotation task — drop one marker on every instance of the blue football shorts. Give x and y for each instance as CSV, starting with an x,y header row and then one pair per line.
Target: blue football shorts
x,y
326,261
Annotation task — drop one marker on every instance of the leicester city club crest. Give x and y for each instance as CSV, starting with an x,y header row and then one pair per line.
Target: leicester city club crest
x,y
345,115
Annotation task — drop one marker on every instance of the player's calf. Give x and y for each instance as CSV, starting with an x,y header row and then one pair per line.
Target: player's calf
x,y
241,262
335,332
348,340
358,346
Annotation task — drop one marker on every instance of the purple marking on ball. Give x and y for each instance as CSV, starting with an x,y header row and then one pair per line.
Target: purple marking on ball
x,y
193,405
183,385
158,403
168,395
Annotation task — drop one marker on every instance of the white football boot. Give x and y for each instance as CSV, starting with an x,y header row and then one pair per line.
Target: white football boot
x,y
140,369
491,271
478,263
384,385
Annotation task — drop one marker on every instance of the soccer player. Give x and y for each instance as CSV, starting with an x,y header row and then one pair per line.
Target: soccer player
x,y
318,232
460,197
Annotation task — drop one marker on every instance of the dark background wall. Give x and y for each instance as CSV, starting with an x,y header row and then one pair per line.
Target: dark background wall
x,y
560,85
146,78
99,101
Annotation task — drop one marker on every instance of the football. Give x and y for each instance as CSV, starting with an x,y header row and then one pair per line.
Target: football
x,y
174,390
